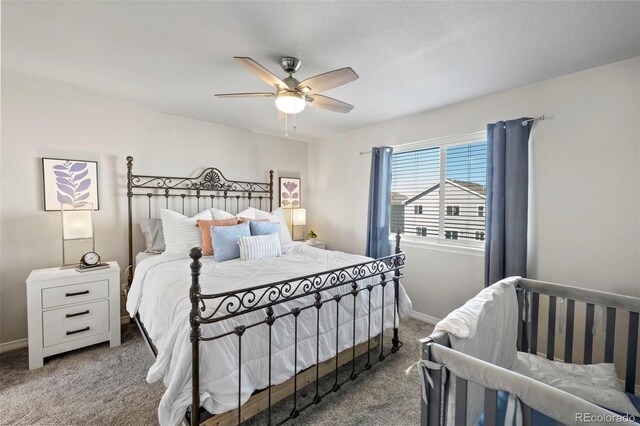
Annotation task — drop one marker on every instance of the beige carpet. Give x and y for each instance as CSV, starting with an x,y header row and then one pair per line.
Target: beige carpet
x,y
103,386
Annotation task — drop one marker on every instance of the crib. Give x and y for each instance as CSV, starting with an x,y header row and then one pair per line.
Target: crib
x,y
560,322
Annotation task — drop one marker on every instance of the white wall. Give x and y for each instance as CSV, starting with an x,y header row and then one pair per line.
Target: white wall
x,y
40,123
585,177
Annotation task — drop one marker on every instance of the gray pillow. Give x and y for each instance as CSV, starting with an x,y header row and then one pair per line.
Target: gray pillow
x,y
153,236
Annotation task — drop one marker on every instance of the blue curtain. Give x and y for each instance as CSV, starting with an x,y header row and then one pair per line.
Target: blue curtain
x,y
507,199
379,203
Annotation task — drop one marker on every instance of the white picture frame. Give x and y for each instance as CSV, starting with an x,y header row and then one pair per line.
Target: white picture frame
x,y
71,182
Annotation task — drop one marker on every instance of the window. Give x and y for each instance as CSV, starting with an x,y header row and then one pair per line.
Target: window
x,y
453,210
451,235
441,187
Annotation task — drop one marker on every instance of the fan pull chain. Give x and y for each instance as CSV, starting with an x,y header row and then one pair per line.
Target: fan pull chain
x,y
294,123
286,124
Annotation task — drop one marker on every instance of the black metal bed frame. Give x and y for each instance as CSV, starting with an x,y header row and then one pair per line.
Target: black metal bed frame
x,y
209,184
328,288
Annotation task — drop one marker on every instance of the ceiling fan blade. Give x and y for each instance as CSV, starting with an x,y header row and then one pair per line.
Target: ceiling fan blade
x,y
245,95
329,80
261,72
331,104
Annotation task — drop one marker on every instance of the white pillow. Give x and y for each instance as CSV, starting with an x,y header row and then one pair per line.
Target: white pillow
x,y
597,383
180,232
220,214
260,247
278,215
153,237
253,213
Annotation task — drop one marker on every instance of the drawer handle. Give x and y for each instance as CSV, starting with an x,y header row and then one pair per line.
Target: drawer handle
x,y
78,331
77,294
77,314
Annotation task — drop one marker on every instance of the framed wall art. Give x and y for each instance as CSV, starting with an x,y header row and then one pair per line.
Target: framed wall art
x,y
290,193
70,182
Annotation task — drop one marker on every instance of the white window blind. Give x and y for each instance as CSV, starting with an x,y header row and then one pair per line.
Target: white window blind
x,y
439,192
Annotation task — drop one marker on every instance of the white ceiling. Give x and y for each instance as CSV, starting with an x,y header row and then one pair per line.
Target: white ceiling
x,y
411,56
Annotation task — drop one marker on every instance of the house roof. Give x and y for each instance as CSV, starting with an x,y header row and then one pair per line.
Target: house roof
x,y
398,198
470,187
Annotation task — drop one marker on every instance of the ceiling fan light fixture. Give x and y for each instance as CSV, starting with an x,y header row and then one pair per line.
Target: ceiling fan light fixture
x,y
290,101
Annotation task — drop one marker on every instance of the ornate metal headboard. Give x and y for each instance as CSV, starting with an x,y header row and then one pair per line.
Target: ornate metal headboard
x,y
209,187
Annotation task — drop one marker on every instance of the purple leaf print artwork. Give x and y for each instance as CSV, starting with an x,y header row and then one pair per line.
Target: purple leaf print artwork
x,y
71,182
290,193
291,186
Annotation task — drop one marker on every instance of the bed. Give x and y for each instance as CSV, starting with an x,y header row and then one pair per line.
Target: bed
x,y
562,335
233,338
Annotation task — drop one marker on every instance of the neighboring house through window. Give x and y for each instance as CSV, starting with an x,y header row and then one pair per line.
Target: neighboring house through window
x,y
453,210
441,187
450,234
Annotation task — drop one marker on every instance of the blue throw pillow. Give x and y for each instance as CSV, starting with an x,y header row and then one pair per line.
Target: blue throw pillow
x,y
264,228
225,240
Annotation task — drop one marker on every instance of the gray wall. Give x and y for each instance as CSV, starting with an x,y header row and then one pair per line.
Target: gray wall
x,y
585,169
41,123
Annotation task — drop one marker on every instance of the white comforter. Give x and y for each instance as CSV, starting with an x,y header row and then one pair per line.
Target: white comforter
x,y
159,293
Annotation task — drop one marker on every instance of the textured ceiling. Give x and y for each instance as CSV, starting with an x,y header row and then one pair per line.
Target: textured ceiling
x,y
411,56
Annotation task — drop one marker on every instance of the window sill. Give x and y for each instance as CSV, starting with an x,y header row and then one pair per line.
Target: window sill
x,y
407,241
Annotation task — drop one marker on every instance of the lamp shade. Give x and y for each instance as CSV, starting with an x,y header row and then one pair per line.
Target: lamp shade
x,y
77,224
289,101
299,217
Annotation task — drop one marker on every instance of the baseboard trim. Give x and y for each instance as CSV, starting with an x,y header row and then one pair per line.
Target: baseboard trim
x,y
125,320
14,344
424,317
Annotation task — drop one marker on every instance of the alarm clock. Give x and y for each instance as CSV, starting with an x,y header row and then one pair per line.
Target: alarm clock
x,y
90,260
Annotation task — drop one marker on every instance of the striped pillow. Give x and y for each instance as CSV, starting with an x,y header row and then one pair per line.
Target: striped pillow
x,y
260,247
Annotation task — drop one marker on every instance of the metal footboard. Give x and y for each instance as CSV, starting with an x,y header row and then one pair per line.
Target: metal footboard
x,y
543,309
329,291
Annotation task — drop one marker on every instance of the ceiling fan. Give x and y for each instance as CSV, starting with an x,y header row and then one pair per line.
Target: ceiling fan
x,y
292,95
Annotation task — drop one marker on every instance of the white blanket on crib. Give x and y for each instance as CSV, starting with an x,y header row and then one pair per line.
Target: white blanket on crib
x,y
486,328
597,383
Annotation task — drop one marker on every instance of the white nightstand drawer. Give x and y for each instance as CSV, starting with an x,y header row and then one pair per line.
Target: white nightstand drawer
x,y
59,296
69,310
68,332
74,314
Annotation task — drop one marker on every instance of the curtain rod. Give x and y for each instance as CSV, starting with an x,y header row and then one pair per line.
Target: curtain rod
x,y
524,123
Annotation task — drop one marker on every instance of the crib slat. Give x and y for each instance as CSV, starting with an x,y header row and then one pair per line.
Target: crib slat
x,y
461,402
588,335
568,337
632,353
519,342
535,302
434,395
610,336
551,329
526,414
490,407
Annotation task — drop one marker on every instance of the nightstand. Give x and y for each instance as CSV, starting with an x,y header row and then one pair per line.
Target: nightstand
x,y
68,310
316,244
